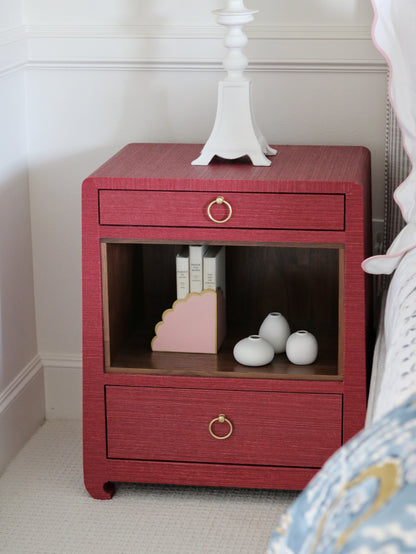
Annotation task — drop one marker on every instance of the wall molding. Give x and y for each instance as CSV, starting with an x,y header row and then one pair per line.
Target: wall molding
x,y
271,49
22,410
255,66
47,367
9,36
184,48
30,371
66,361
63,385
264,32
13,50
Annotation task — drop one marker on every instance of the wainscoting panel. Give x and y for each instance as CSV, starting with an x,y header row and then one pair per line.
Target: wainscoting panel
x,y
274,48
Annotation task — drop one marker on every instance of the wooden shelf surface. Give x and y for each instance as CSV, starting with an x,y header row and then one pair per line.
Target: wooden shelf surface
x,y
136,357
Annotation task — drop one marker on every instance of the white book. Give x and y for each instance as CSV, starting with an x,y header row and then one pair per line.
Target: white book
x,y
214,268
182,272
196,275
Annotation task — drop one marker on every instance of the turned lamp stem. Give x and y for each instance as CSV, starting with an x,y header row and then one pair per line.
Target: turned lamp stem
x,y
235,132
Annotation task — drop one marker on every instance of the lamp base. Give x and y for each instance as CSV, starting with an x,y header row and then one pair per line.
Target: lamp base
x,y
235,132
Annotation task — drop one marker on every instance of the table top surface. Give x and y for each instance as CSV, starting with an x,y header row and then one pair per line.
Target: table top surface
x,y
347,164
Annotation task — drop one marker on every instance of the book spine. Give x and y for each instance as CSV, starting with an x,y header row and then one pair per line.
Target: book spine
x,y
196,276
210,277
214,269
182,273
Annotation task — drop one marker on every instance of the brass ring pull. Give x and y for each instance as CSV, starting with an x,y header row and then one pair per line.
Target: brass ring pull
x,y
221,419
220,200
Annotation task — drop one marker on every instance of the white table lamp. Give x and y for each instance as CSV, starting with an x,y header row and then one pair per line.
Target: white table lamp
x,y
235,132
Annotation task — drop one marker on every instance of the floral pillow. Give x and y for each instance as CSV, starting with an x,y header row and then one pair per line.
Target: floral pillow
x,y
364,499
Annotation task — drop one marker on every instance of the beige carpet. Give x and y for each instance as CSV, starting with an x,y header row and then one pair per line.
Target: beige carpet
x,y
44,509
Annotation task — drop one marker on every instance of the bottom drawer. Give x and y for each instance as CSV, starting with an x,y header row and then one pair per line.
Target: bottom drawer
x,y
267,428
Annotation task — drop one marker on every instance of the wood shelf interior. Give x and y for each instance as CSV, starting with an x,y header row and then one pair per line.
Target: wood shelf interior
x,y
303,282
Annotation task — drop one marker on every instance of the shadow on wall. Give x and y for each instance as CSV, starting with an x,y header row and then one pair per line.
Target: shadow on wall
x,y
17,311
56,211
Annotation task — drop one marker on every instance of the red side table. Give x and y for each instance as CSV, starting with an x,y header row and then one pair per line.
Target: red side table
x,y
298,232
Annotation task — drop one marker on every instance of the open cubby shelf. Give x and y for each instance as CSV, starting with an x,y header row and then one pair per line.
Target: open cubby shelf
x,y
304,282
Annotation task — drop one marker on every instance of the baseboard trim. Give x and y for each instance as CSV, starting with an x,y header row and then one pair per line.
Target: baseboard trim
x,y
71,361
22,410
33,368
63,386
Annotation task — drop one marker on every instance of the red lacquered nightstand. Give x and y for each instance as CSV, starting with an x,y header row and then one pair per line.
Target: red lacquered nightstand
x,y
298,232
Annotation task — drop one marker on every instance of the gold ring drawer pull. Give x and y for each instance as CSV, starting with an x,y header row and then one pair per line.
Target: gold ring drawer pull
x,y
221,419
220,200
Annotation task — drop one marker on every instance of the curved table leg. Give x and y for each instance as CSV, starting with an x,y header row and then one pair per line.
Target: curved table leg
x,y
100,490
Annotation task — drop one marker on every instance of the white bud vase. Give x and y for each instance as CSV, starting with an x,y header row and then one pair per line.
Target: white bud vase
x,y
302,348
275,329
253,351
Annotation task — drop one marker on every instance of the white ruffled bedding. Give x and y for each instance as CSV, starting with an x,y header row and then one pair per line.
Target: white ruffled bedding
x,y
394,368
394,35
393,378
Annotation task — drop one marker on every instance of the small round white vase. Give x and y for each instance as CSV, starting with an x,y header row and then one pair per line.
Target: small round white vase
x,y
275,329
253,351
302,348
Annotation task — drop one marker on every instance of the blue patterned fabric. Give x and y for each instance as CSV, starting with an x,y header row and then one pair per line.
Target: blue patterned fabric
x,y
363,500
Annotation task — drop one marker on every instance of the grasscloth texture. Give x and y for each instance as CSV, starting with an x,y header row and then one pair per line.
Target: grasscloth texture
x,y
148,198
44,509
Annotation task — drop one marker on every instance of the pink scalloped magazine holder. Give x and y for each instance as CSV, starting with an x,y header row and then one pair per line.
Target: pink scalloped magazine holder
x,y
194,324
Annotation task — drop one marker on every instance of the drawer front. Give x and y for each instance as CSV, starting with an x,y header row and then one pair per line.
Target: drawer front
x,y
277,429
248,210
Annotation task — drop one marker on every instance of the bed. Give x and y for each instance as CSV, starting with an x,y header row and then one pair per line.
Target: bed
x,y
393,377
364,498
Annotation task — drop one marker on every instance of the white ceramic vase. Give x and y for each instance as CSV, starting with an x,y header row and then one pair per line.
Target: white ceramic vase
x,y
253,351
275,329
302,348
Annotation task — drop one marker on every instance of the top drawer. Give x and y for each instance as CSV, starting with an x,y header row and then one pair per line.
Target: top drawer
x,y
300,211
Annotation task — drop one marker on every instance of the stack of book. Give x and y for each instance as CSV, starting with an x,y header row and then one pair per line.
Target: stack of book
x,y
197,323
200,268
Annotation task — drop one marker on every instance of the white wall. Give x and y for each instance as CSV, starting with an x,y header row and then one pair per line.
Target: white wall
x,y
21,380
104,73
183,12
